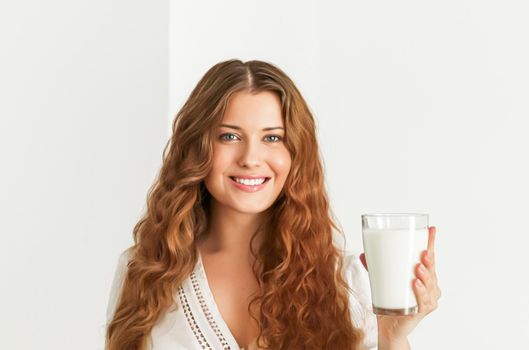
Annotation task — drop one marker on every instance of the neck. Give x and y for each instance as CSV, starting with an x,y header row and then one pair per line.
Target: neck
x,y
230,231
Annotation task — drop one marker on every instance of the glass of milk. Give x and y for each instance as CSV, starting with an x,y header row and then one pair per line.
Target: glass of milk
x,y
392,246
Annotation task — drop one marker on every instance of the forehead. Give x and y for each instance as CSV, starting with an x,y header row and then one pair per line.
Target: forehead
x,y
253,110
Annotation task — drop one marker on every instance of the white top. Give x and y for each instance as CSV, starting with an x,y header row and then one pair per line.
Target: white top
x,y
199,324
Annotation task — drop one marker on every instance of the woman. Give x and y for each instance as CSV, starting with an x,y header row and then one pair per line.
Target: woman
x,y
236,248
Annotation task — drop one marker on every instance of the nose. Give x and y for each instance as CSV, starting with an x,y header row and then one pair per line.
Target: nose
x,y
250,155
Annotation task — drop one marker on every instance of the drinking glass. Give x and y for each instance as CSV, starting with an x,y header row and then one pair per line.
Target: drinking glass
x,y
392,246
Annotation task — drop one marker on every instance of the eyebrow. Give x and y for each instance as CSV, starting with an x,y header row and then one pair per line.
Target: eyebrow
x,y
239,128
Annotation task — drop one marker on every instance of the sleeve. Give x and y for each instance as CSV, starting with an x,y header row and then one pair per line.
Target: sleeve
x,y
360,300
117,283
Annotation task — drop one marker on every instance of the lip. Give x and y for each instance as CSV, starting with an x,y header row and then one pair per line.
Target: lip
x,y
253,176
247,188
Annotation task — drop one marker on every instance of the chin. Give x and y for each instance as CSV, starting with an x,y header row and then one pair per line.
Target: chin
x,y
249,209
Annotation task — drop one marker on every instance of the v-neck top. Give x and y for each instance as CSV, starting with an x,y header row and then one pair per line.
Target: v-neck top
x,y
196,322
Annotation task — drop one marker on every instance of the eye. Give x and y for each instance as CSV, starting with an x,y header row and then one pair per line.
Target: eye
x,y
224,138
277,138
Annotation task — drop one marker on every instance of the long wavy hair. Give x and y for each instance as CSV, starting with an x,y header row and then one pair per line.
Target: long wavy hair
x,y
303,298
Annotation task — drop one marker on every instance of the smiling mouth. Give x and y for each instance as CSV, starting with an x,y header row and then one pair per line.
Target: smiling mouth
x,y
265,181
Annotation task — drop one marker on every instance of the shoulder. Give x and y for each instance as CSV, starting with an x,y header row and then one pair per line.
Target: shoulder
x,y
360,298
120,271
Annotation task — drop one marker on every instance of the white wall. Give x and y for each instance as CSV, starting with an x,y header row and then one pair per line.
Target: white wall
x,y
83,121
421,108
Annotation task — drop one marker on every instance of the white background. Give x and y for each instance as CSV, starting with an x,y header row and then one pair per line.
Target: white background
x,y
421,106
83,118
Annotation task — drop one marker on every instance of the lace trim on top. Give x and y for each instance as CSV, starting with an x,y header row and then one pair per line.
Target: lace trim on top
x,y
207,313
191,318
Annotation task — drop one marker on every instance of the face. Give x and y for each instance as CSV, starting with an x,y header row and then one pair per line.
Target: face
x,y
249,147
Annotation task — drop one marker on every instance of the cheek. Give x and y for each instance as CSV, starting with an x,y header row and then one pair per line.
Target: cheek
x,y
281,163
220,161
219,164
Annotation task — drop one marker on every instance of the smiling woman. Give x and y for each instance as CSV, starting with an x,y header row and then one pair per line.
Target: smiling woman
x,y
249,162
236,248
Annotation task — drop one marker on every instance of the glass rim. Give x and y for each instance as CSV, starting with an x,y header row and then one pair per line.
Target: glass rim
x,y
395,215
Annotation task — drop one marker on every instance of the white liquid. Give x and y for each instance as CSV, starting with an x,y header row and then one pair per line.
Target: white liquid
x,y
391,257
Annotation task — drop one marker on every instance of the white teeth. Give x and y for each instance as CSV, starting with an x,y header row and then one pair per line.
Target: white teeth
x,y
252,182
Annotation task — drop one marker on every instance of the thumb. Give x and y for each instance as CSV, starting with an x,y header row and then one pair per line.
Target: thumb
x,y
363,260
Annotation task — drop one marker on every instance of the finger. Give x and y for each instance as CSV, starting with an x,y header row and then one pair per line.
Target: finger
x,y
424,275
431,238
427,283
422,296
363,260
428,259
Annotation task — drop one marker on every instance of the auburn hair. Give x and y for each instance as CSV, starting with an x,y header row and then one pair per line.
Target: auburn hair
x,y
304,299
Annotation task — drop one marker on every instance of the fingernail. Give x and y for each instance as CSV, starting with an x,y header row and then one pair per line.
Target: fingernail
x,y
422,268
419,283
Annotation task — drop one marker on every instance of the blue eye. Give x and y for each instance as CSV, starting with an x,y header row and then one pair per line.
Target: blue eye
x,y
232,137
278,138
225,139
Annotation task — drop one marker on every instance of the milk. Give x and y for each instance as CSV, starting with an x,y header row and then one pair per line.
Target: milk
x,y
391,257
